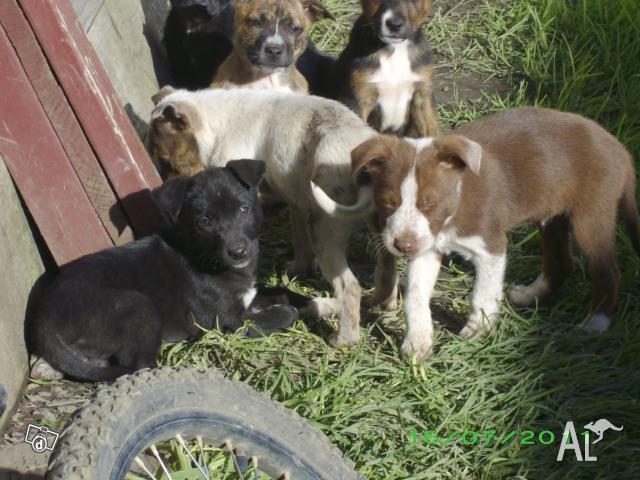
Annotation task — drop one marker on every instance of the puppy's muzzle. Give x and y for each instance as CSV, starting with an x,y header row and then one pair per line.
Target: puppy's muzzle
x,y
394,28
274,51
406,246
238,252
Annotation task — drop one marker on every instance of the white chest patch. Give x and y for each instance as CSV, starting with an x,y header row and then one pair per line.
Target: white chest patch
x,y
248,297
395,81
272,82
448,241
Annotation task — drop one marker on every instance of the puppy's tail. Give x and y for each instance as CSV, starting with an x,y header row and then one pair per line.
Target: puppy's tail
x,y
360,210
63,359
629,210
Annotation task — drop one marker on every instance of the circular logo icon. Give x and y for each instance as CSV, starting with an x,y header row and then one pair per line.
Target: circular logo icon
x,y
39,443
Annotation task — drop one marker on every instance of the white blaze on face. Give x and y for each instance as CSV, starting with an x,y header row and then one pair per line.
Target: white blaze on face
x,y
384,30
407,221
276,38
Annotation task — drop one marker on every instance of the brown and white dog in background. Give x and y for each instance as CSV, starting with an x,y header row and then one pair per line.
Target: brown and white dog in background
x,y
465,191
269,38
385,72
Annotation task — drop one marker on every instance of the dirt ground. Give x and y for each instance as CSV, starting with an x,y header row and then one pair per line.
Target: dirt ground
x,y
49,404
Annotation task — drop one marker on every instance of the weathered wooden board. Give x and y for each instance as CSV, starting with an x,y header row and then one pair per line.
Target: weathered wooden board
x,y
97,108
87,10
21,267
64,122
39,166
127,37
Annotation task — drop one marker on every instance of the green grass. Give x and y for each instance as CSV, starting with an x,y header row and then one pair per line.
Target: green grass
x,y
537,370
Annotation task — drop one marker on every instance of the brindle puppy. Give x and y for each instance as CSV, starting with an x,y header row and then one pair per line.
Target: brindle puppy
x,y
385,73
270,36
172,142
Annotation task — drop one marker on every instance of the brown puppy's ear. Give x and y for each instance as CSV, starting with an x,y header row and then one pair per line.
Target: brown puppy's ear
x,y
173,115
367,158
248,172
316,10
170,197
455,151
164,91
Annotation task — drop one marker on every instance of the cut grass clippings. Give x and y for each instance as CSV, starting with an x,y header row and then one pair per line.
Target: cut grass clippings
x,y
537,371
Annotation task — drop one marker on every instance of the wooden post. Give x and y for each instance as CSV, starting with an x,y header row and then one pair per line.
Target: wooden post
x,y
64,122
40,167
94,101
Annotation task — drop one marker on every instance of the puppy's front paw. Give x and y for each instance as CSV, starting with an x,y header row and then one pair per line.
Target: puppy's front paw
x,y
596,324
418,346
522,296
474,328
387,304
343,338
320,308
526,295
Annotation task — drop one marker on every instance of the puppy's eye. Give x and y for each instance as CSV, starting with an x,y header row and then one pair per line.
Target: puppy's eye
x,y
244,210
295,29
204,222
255,22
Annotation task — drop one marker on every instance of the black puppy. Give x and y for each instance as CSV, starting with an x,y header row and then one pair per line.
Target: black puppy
x,y
197,37
106,314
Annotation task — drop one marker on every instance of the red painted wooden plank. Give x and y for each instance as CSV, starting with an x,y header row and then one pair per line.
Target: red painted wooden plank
x,y
64,122
97,107
40,168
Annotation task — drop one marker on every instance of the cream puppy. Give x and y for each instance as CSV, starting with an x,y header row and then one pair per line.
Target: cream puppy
x,y
302,139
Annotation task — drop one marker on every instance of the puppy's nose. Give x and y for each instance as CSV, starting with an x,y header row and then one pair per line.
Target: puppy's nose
x,y
274,50
237,253
405,245
395,24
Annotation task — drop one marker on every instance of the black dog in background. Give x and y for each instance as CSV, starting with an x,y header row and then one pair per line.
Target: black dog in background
x,y
106,314
198,38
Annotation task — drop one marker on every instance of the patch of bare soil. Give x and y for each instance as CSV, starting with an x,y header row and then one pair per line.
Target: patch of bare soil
x,y
50,405
453,85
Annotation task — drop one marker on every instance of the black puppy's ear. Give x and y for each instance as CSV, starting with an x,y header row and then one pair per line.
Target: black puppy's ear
x,y
248,172
170,197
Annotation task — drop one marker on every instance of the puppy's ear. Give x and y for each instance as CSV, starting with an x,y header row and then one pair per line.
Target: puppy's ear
x,y
248,172
316,10
170,197
456,151
164,92
174,116
367,158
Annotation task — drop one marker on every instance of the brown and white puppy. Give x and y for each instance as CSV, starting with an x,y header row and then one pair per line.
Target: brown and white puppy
x,y
384,74
270,36
465,191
